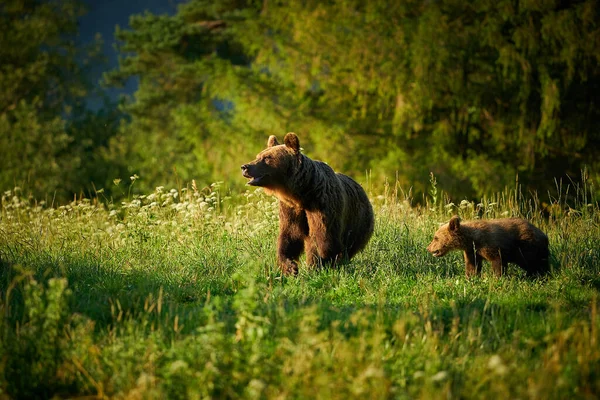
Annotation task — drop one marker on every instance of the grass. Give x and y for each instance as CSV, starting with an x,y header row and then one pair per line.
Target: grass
x,y
176,295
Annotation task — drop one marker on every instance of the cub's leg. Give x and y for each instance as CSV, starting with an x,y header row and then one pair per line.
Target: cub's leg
x,y
497,259
473,263
498,267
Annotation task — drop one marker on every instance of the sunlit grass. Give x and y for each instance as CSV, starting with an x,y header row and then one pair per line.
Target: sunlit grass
x,y
176,294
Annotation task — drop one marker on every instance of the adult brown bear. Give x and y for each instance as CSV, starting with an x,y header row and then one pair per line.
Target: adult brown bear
x,y
499,241
326,214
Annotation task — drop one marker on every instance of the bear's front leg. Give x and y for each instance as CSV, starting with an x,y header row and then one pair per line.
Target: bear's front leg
x,y
288,253
312,255
293,229
289,267
319,252
323,244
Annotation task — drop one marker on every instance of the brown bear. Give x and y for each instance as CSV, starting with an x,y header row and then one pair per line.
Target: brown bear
x,y
499,241
323,213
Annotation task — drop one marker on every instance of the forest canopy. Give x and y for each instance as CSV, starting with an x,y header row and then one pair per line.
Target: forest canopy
x,y
476,93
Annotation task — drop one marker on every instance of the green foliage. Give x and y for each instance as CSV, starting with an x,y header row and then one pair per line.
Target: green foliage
x,y
48,141
39,351
35,81
475,92
176,294
30,148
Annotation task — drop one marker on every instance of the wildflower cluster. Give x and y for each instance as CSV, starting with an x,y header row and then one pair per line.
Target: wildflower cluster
x,y
176,213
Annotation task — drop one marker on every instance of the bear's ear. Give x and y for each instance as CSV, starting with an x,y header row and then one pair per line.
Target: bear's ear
x,y
291,141
454,223
272,141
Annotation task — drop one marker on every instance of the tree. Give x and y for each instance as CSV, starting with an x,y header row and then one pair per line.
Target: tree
x,y
43,86
476,92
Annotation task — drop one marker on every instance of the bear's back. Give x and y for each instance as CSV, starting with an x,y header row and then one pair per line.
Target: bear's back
x,y
504,232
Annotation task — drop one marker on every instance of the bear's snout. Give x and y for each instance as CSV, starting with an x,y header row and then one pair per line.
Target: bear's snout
x,y
434,252
256,175
245,171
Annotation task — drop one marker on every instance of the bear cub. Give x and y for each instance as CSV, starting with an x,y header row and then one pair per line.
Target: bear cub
x,y
499,241
325,214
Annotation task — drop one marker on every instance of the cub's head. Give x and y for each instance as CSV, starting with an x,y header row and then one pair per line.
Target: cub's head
x,y
274,165
446,239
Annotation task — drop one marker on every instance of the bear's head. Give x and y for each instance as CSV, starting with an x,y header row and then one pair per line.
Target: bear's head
x,y
446,239
274,165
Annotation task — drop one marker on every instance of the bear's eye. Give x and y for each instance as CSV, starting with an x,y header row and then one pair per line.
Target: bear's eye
x,y
435,238
268,158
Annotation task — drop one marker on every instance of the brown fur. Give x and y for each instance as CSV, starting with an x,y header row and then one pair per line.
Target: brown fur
x,y
499,241
323,213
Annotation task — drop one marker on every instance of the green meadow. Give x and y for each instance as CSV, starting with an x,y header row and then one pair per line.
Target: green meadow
x,y
176,294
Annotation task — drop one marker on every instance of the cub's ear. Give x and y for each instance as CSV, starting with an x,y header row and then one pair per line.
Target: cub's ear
x,y
272,141
291,141
454,223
